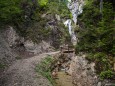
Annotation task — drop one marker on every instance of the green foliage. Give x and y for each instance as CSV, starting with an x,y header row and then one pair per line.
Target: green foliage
x,y
107,74
2,66
102,62
98,33
42,2
90,57
9,10
60,8
18,57
97,37
38,31
44,68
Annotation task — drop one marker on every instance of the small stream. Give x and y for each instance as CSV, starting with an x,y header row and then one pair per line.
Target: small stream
x,y
63,79
61,68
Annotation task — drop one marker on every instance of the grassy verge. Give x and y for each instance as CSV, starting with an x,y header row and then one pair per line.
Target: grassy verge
x,y
18,57
44,68
2,66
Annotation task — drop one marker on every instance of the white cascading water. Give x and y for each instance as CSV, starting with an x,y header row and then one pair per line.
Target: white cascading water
x,y
71,32
76,9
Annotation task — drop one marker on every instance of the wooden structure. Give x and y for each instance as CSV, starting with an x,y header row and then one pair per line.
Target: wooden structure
x,y
67,49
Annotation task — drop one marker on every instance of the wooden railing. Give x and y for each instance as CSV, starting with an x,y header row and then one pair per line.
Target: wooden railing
x,y
67,49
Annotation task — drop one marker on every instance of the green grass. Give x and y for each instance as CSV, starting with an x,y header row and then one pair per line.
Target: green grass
x,y
107,74
2,66
44,68
18,57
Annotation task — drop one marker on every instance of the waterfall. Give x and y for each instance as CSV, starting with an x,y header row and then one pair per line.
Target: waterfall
x,y
71,31
68,24
75,8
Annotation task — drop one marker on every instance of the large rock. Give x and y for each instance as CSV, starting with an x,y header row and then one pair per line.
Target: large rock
x,y
38,48
12,37
7,38
83,73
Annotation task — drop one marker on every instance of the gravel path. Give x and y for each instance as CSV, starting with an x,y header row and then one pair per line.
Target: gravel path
x,y
22,73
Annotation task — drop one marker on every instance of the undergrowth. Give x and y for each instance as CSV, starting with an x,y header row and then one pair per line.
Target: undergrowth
x,y
44,68
2,66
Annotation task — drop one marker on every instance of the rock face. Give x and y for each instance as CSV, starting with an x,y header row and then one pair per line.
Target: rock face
x,y
19,43
6,39
12,37
83,73
13,46
38,48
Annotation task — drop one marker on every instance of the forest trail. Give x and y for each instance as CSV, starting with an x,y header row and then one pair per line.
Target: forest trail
x,y
22,73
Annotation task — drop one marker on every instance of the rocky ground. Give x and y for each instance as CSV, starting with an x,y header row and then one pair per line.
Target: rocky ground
x,y
22,73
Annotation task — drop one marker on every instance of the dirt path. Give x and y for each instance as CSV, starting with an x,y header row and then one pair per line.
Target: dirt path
x,y
22,73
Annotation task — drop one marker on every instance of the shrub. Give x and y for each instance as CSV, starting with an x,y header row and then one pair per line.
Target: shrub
x,y
107,74
2,66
